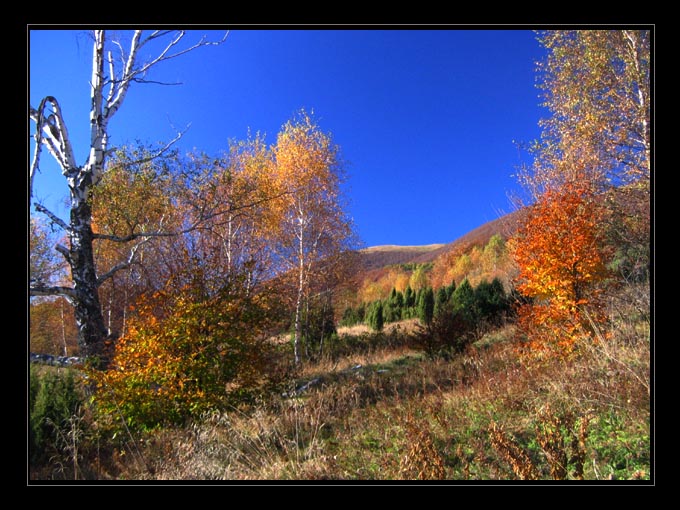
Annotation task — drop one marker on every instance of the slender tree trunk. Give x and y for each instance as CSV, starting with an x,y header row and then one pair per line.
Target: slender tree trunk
x,y
63,328
229,235
125,305
323,325
108,313
298,312
300,291
307,330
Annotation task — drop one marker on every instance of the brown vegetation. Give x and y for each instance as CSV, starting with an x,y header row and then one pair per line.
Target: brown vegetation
x,y
482,415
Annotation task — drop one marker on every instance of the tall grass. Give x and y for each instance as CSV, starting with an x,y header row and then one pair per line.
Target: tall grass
x,y
381,410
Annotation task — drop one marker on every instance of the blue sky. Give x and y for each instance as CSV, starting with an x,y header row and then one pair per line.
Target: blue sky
x,y
425,118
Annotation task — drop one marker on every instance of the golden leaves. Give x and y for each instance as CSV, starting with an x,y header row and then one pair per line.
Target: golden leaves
x,y
181,351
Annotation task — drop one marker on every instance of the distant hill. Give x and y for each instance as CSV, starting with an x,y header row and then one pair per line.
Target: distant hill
x,y
378,257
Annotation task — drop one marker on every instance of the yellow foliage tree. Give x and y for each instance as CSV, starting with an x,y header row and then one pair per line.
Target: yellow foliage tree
x,y
312,224
185,353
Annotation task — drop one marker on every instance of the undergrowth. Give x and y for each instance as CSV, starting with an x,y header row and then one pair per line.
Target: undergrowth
x,y
386,412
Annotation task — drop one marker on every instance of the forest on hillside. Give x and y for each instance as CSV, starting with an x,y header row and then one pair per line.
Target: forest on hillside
x,y
223,330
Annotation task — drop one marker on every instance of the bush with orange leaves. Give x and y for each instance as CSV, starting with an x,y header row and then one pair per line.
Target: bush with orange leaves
x,y
185,353
561,253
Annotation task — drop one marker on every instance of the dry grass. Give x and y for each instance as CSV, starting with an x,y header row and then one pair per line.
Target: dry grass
x,y
482,415
407,326
235,446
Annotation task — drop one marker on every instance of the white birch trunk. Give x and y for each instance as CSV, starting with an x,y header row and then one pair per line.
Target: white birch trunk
x,y
300,291
107,94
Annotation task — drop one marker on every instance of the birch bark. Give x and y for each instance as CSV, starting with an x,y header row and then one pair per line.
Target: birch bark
x,y
108,88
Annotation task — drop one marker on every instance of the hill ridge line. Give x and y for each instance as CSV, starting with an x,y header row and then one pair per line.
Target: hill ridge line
x,y
418,247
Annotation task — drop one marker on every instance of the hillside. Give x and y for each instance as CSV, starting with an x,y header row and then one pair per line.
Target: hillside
x,y
378,269
377,257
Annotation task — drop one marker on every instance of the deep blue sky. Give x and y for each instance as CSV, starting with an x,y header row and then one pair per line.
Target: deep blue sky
x,y
425,118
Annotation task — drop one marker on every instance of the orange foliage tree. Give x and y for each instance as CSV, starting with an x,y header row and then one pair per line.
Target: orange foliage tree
x,y
591,170
561,255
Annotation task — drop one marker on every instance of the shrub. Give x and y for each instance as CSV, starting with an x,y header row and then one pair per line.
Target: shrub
x,y
186,353
53,400
448,333
375,317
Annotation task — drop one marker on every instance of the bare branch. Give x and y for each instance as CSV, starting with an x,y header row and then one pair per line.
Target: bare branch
x,y
122,265
156,34
116,97
159,152
112,76
64,251
53,217
153,82
130,74
43,290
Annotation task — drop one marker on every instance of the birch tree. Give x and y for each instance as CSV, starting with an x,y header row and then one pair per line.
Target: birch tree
x,y
596,86
590,182
239,240
313,225
114,70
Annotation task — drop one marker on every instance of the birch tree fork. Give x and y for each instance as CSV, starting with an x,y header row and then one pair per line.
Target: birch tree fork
x,y
109,84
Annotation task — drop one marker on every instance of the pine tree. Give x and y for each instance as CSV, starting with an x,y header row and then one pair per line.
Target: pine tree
x,y
491,300
450,289
426,308
395,305
409,297
464,302
440,301
376,318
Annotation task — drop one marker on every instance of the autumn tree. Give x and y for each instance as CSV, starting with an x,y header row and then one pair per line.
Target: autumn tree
x,y
52,328
313,224
243,184
136,195
493,253
187,351
419,278
589,183
114,69
596,86
561,254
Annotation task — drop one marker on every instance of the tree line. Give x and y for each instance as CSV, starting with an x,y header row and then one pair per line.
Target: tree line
x,y
468,312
